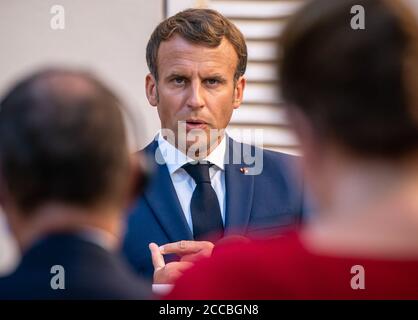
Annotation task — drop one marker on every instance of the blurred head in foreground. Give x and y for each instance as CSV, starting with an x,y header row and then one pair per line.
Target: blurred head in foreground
x,y
65,179
352,97
64,160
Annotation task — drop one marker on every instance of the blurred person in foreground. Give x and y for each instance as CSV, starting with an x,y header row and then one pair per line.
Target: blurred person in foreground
x,y
352,98
65,178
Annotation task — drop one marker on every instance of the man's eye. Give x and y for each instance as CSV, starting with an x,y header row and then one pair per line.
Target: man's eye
x,y
179,80
212,82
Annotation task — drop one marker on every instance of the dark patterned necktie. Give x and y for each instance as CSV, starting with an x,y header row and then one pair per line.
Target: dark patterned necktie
x,y
206,213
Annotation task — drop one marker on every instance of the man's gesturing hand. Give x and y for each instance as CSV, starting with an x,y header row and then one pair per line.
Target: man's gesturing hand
x,y
189,251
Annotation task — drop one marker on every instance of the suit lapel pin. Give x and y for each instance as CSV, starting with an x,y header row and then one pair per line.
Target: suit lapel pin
x,y
243,170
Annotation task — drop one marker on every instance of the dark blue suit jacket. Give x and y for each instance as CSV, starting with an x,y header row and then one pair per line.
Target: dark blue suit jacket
x,y
91,272
256,205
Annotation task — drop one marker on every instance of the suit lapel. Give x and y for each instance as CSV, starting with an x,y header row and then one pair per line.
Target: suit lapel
x,y
239,191
162,198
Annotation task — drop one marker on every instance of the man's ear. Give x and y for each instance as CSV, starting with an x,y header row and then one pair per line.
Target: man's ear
x,y
239,92
140,172
151,89
7,203
306,135
2,191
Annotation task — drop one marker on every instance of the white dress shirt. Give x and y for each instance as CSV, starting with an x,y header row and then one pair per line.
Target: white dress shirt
x,y
184,183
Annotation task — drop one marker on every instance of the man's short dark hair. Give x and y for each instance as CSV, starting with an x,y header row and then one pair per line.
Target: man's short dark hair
x,y
357,87
205,27
62,139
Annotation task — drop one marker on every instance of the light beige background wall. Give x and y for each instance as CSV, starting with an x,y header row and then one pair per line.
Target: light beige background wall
x,y
106,36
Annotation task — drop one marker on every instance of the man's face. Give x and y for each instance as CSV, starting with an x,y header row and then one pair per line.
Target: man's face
x,y
195,87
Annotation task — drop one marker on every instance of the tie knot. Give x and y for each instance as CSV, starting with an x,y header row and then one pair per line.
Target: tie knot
x,y
199,172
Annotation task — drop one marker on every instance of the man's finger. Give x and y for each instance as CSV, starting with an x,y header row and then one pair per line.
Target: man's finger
x,y
157,258
171,272
186,247
196,256
179,266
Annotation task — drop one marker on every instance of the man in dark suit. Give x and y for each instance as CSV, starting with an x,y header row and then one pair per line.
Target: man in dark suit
x,y
206,184
66,176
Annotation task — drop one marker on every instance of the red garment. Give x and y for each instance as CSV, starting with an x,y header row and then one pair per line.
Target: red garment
x,y
284,269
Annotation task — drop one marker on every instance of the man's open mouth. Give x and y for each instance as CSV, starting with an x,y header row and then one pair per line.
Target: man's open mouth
x,y
195,124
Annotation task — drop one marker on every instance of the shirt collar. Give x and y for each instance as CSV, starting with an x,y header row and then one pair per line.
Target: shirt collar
x,y
175,159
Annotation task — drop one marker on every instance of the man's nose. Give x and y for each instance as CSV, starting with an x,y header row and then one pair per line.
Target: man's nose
x,y
196,96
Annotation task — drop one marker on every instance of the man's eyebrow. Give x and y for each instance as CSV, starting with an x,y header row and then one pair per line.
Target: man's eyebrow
x,y
216,76
176,74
